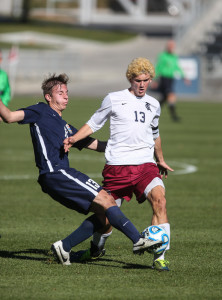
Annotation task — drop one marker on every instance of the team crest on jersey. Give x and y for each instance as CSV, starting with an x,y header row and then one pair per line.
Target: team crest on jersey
x,y
69,129
147,105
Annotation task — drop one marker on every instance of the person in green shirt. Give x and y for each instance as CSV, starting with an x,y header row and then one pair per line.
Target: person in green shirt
x,y
167,70
5,90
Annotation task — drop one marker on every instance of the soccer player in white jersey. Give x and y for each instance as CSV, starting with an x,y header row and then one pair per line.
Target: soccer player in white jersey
x,y
134,157
64,184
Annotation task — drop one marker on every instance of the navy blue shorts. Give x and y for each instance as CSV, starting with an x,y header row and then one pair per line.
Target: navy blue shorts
x,y
166,85
71,188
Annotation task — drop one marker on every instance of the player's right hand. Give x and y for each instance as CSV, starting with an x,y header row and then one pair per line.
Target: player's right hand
x,y
68,142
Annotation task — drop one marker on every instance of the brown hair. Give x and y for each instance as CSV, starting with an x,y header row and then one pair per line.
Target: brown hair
x,y
52,81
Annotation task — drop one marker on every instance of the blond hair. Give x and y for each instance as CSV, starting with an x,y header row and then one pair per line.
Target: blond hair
x,y
140,66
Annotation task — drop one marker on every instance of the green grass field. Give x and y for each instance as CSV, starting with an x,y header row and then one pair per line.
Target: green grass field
x,y
30,221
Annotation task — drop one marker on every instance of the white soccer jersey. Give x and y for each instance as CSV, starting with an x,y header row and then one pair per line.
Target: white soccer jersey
x,y
133,127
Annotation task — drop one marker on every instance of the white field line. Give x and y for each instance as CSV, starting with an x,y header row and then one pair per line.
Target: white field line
x,y
181,168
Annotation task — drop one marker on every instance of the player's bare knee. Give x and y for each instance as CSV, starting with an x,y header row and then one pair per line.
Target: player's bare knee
x,y
108,202
162,202
158,201
104,200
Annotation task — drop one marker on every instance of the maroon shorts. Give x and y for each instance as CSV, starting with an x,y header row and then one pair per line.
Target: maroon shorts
x,y
123,181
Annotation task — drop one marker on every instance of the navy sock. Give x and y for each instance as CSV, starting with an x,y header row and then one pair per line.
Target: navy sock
x,y
83,232
118,220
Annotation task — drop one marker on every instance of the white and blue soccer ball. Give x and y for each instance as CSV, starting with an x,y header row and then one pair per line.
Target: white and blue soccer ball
x,y
155,233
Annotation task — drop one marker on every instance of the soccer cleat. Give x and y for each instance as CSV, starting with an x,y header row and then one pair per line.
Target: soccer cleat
x,y
161,265
91,253
60,254
85,255
145,244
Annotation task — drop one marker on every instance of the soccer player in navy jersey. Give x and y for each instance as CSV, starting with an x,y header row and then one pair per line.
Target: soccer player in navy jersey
x,y
66,185
133,153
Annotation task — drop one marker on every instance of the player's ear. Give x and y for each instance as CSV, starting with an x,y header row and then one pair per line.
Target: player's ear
x,y
48,97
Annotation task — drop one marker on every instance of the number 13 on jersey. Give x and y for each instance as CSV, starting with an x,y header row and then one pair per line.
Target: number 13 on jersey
x,y
139,116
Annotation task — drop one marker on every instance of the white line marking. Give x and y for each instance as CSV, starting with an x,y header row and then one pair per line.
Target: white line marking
x,y
181,168
184,168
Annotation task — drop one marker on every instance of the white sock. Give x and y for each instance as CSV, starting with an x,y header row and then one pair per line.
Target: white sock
x,y
119,201
165,226
100,239
159,256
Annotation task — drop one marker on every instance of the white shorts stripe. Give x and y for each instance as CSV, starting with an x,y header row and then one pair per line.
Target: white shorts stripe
x,y
79,182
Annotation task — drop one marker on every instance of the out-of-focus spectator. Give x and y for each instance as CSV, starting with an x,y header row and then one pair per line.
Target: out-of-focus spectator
x,y
5,90
167,70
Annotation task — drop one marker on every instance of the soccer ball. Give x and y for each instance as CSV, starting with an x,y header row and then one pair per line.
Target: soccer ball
x,y
156,233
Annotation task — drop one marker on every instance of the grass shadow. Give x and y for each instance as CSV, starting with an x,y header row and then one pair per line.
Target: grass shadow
x,y
107,262
121,264
28,254
46,256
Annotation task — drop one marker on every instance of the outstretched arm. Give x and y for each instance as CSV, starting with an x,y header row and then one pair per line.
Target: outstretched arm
x,y
163,167
9,116
96,122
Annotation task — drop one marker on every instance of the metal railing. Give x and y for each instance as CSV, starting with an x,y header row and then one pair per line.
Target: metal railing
x,y
195,9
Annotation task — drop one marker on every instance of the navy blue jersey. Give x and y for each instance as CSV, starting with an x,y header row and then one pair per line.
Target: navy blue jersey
x,y
48,131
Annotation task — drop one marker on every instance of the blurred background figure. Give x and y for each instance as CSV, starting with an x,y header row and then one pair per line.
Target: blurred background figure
x,y
5,90
167,70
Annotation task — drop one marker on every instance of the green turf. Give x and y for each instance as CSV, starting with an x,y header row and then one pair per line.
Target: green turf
x,y
30,221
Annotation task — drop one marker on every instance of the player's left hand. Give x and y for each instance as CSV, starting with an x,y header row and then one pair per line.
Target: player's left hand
x,y
164,168
68,142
